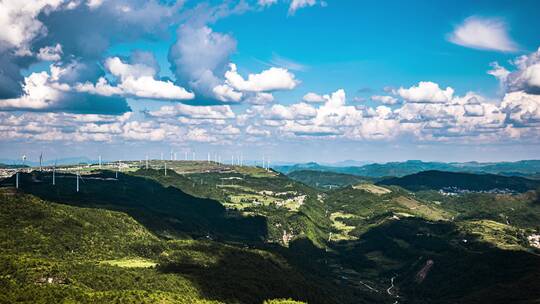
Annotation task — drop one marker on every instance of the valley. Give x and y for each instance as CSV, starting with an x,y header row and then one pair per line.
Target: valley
x,y
205,232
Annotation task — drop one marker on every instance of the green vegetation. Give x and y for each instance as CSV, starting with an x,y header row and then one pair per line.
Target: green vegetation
x,y
209,233
436,180
53,252
326,180
289,207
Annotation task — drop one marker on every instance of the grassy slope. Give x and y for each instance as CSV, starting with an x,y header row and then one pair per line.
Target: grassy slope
x,y
166,211
306,221
68,253
378,247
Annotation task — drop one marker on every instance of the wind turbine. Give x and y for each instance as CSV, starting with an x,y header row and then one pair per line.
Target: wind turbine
x,y
78,175
193,155
118,169
41,162
146,161
185,156
100,162
208,157
165,169
54,174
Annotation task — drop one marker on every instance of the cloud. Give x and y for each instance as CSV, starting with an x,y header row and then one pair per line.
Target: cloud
x,y
313,97
426,92
287,63
19,23
295,111
224,92
298,4
272,79
260,98
389,100
194,112
525,77
35,30
138,80
266,3
199,57
483,33
251,130
43,93
522,109
50,53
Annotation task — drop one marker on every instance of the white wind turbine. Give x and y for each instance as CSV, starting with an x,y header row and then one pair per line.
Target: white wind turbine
x,y
54,174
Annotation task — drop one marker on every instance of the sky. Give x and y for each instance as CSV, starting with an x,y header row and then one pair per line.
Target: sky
x,y
287,80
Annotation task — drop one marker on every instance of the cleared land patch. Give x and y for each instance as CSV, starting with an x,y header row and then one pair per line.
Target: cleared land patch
x,y
130,263
428,212
371,188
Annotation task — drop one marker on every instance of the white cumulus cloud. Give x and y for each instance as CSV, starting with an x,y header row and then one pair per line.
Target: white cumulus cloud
x,y
385,99
483,33
268,80
426,92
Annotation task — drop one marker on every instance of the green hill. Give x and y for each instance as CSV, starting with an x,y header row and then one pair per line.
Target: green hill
x,y
326,180
167,211
437,180
55,253
209,233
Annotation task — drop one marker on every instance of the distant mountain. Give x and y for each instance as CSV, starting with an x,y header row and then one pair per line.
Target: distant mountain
x,y
6,166
348,163
437,180
527,168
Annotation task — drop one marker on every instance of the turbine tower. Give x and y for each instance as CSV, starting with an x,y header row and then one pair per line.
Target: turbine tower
x,y
146,161
100,162
41,162
77,177
54,174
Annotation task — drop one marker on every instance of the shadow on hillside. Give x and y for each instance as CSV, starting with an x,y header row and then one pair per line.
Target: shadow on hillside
x,y
166,211
470,271
251,276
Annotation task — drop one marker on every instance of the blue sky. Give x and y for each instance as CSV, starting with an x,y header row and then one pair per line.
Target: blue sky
x,y
312,80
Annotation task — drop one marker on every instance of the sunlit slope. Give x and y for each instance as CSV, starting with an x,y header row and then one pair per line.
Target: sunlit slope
x,y
291,209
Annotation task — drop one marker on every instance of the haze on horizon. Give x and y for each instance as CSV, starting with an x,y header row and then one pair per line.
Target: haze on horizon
x,y
294,81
